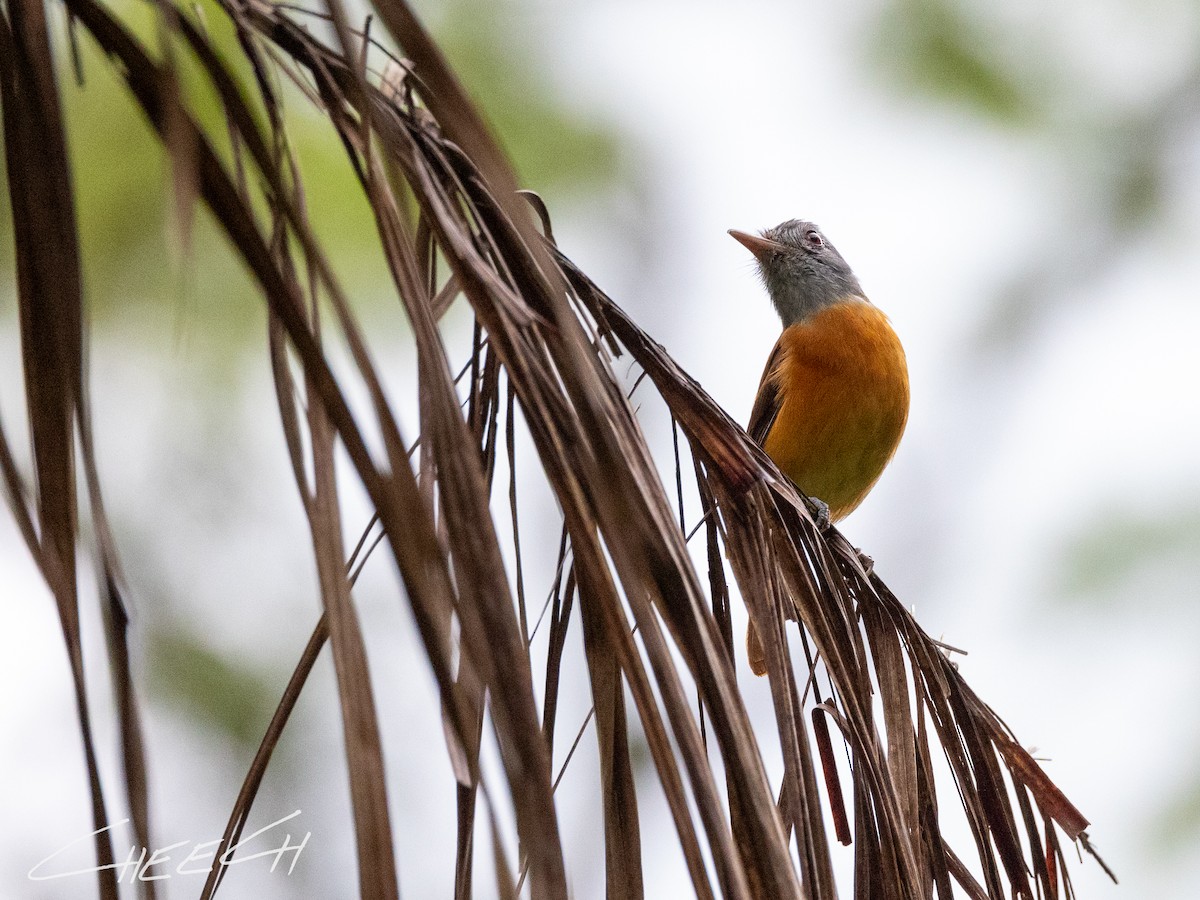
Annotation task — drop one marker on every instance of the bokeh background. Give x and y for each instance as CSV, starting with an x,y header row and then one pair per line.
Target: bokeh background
x,y
1017,185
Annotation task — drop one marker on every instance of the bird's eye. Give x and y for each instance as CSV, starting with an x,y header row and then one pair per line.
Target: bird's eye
x,y
814,239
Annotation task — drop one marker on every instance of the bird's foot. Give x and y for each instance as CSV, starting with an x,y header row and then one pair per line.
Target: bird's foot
x,y
819,510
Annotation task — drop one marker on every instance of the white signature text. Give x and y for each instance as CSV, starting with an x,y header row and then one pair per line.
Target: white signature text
x,y
144,864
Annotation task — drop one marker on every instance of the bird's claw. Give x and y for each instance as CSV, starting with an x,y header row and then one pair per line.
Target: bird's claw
x,y
819,510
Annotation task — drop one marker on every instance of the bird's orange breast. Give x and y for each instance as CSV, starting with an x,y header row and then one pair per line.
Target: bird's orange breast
x,y
843,387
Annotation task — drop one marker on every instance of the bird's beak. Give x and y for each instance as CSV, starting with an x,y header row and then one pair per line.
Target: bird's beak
x,y
759,246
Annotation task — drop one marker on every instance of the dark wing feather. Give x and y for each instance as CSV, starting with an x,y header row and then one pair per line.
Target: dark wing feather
x,y
767,403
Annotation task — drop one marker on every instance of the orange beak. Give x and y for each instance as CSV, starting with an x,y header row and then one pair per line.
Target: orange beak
x,y
759,246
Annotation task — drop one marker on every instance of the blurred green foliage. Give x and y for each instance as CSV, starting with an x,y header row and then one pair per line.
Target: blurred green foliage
x,y
1116,546
135,251
1177,826
1115,158
946,49
494,47
228,697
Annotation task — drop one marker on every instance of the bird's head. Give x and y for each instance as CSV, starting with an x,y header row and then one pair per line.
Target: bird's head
x,y
804,273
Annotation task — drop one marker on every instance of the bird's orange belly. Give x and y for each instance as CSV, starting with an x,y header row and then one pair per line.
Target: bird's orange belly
x,y
843,382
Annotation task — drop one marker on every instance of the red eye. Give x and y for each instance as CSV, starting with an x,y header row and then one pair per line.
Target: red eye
x,y
814,239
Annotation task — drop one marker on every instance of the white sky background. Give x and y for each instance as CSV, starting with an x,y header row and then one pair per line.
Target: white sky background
x,y
746,115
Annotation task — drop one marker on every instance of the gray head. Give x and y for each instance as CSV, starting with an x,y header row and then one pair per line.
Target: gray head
x,y
803,272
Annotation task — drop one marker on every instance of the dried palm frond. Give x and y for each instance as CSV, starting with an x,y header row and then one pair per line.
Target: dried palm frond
x,y
654,626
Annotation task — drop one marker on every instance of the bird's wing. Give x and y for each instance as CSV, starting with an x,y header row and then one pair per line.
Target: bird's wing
x,y
768,401
762,416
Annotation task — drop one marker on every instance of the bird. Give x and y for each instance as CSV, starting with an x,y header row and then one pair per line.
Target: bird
x,y
834,396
